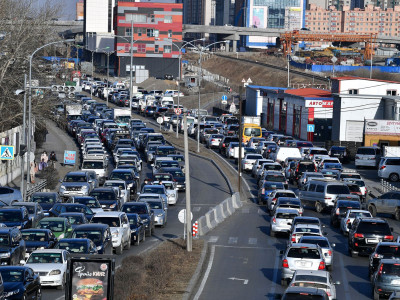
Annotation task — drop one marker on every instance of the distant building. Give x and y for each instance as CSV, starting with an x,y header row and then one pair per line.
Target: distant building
x,y
79,11
157,35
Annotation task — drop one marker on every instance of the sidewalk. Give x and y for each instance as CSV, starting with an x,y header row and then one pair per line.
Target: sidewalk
x,y
58,141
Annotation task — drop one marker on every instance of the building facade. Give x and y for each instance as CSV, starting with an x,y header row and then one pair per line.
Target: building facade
x,y
157,35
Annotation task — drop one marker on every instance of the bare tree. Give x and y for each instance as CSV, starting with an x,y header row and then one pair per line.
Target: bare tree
x,y
25,25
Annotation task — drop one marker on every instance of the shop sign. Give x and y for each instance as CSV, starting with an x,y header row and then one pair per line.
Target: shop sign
x,y
319,103
382,127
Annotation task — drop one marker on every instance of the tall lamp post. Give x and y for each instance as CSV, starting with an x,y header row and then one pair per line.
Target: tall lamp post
x,y
200,74
30,101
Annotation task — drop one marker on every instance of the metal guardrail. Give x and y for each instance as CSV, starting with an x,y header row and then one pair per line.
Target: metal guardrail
x,y
37,187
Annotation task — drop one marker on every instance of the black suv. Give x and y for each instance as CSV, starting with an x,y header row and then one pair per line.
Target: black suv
x,y
386,279
15,216
340,152
340,209
366,233
145,213
12,246
383,250
302,166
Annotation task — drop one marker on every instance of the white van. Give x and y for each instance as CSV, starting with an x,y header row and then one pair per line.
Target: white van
x,y
284,152
167,101
368,157
119,85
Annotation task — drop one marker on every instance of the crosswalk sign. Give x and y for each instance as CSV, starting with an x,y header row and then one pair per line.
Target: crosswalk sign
x,y
6,152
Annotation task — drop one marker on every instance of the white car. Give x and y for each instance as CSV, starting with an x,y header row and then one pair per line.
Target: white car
x,y
172,191
124,191
51,265
249,160
119,227
349,218
257,166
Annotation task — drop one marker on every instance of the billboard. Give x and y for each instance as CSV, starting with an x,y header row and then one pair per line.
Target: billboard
x,y
90,278
319,103
382,127
69,157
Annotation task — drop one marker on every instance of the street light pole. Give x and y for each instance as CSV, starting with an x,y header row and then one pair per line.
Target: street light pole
x,y
30,101
188,217
22,188
108,71
131,71
198,112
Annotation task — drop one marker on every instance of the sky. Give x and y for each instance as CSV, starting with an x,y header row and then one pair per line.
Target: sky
x,y
68,11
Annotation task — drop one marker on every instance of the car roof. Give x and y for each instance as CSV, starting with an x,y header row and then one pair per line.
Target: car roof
x,y
71,214
287,210
49,251
91,226
25,204
372,220
35,229
314,237
109,214
304,245
313,272
307,225
103,189
76,173
53,219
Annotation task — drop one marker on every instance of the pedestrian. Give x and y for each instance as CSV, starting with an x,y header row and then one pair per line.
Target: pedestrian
x,y
42,165
52,158
33,170
44,157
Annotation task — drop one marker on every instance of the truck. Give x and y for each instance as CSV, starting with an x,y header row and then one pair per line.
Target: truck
x,y
391,151
251,120
73,111
122,116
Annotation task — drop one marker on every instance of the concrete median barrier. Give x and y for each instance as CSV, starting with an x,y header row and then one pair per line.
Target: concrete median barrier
x,y
218,214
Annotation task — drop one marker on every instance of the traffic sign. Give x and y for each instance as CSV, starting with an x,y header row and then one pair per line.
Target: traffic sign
x,y
182,216
224,97
160,120
310,127
178,111
6,152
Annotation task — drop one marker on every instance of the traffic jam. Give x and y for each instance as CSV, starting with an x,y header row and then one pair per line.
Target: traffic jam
x,y
110,204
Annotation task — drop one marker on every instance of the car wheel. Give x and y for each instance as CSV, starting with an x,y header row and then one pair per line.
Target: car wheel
x,y
318,207
61,287
372,210
353,253
284,282
394,177
376,295
119,249
38,294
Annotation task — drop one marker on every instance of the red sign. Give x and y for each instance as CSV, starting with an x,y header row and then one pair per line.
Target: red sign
x,y
178,111
319,103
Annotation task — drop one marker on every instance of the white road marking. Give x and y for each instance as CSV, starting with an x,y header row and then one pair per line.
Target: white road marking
x,y
232,240
253,241
245,281
206,274
213,239
275,276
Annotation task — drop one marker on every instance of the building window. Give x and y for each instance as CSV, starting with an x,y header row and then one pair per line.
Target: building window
x,y
141,48
128,32
391,92
156,49
353,91
167,19
151,19
136,18
150,32
156,32
169,33
139,31
167,49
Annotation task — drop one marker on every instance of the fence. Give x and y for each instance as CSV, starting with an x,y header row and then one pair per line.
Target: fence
x,y
340,68
387,187
218,214
37,187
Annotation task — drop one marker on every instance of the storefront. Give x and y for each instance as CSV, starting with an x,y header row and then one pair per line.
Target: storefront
x,y
382,133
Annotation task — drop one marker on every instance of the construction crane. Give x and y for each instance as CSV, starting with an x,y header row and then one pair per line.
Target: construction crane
x,y
293,37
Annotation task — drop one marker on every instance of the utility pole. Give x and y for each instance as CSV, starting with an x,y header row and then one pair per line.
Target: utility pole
x,y
240,143
22,188
131,71
288,71
188,218
198,112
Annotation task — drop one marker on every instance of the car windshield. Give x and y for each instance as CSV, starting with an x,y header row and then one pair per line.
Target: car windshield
x,y
360,183
155,204
359,215
168,185
337,189
176,173
92,203
286,216
252,131
106,195
75,220
132,220
307,230
44,199
166,177
34,236
4,240
275,178
338,150
350,175
391,269
121,176
73,246
304,252
137,209
306,167
272,167
10,216
12,275
320,152
75,178
320,242
273,186
45,258
374,227
168,164
310,285
153,190
389,250
93,165
94,235
284,194
110,221
120,185
55,226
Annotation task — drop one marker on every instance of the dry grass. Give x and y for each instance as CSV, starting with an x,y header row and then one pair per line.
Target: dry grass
x,y
162,273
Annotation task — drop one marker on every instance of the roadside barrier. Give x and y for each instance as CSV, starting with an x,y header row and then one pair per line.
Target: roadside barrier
x,y
36,187
218,214
195,228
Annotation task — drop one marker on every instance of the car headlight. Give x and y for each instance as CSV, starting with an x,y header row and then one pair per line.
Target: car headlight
x,y
62,187
5,255
9,294
159,215
133,230
40,248
55,272
85,187
98,248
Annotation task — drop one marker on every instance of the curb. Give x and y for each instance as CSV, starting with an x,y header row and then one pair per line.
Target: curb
x,y
194,281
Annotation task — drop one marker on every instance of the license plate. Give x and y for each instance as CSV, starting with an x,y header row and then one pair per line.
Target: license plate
x,y
372,241
303,263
